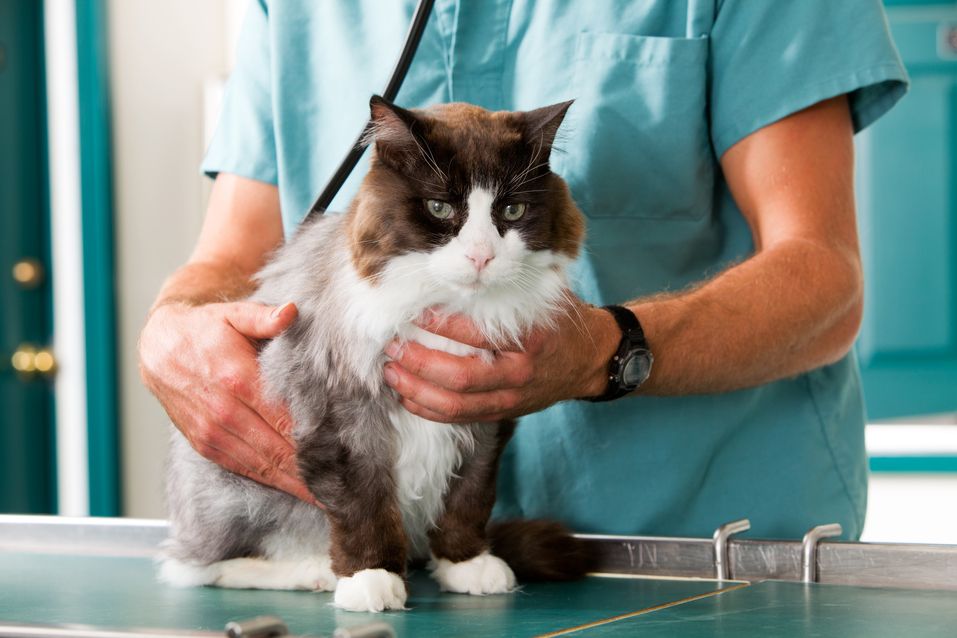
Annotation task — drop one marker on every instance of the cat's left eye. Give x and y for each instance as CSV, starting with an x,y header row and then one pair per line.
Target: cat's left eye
x,y
514,212
439,209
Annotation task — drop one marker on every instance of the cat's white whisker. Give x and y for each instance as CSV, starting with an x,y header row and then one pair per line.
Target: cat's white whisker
x,y
570,303
518,178
430,161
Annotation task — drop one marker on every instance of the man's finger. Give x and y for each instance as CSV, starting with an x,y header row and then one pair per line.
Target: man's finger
x,y
258,321
268,457
457,328
237,456
452,407
246,385
245,424
425,413
461,374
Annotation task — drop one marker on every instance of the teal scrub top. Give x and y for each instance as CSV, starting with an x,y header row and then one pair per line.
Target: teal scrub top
x,y
662,89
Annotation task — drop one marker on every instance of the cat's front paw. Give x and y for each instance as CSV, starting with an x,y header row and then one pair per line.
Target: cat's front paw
x,y
370,590
483,574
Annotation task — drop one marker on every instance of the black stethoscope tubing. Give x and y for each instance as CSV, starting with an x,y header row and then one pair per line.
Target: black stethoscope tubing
x,y
412,39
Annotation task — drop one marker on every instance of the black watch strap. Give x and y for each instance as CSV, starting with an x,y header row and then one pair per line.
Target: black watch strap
x,y
632,338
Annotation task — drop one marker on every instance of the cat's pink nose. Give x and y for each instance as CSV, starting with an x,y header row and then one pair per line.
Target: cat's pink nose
x,y
480,258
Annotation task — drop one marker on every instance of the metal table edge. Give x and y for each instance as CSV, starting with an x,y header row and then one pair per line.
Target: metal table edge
x,y
915,566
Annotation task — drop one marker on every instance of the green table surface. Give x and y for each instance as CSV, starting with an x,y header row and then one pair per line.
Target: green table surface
x,y
122,593
119,592
776,608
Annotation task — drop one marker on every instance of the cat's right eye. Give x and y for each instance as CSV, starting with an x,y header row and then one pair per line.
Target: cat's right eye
x,y
439,209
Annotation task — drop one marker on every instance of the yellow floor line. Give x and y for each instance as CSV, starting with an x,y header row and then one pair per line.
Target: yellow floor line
x,y
632,614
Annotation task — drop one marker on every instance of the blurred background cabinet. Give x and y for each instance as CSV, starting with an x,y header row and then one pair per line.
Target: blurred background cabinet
x,y
27,474
907,199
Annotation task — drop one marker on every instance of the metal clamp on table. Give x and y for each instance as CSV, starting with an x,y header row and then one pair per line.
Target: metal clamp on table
x,y
809,566
259,627
722,566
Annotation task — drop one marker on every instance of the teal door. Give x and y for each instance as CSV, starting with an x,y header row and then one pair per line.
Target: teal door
x,y
907,198
27,475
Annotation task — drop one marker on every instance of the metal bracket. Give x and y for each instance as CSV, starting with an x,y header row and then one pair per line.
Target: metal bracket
x,y
809,571
722,566
258,627
372,630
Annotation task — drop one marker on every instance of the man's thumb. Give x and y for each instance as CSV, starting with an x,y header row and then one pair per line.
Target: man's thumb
x,y
257,321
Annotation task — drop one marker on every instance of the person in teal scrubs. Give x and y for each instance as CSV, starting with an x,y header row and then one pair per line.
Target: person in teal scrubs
x,y
709,146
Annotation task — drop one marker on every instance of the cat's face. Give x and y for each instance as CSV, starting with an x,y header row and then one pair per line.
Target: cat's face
x,y
463,198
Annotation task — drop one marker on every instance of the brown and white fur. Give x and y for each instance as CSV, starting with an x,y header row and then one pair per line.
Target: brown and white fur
x,y
395,486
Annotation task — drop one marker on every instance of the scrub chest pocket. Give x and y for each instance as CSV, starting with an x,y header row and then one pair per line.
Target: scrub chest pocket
x,y
636,142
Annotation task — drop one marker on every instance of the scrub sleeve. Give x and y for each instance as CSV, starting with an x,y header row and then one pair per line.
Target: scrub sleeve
x,y
244,143
772,59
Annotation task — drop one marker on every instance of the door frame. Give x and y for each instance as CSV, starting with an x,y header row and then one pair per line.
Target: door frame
x,y
82,245
98,258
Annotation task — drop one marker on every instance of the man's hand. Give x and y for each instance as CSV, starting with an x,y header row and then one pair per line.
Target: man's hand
x,y
551,365
200,362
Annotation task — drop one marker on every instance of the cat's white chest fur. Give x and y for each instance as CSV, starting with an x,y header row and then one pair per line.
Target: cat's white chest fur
x,y
428,454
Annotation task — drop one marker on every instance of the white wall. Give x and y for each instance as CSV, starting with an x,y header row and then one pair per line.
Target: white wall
x,y
161,56
912,508
904,507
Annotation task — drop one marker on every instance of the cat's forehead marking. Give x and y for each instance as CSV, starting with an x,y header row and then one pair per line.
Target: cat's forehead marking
x,y
479,227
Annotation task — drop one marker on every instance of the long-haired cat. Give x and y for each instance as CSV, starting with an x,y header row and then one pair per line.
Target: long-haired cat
x,y
459,212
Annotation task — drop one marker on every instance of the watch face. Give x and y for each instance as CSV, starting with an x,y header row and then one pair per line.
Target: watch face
x,y
637,368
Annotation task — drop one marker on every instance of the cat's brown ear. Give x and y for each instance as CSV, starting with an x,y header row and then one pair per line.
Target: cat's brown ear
x,y
394,130
541,125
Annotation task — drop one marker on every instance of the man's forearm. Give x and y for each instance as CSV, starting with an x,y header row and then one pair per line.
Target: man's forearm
x,y
243,226
203,282
788,309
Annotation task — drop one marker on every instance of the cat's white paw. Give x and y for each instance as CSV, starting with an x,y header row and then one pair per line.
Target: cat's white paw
x,y
483,574
370,590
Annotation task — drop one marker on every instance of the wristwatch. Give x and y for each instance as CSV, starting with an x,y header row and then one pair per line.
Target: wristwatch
x,y
631,364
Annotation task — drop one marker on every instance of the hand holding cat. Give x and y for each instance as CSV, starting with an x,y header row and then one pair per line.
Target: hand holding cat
x,y
200,362
564,362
